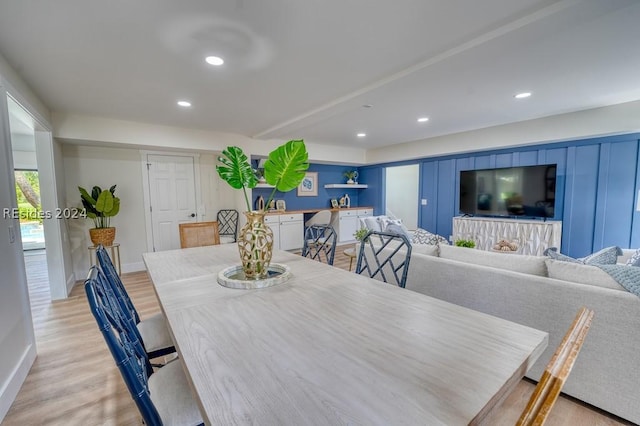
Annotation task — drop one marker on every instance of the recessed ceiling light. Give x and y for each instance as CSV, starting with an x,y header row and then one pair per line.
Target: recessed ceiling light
x,y
185,104
423,119
367,106
361,135
214,60
522,95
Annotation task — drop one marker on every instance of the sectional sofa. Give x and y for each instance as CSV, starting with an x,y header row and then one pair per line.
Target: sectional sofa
x,y
546,294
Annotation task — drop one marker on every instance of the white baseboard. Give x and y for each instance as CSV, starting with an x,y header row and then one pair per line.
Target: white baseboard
x,y
12,386
133,267
71,281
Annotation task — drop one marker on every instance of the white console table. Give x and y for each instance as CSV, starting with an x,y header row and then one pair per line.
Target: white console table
x,y
532,236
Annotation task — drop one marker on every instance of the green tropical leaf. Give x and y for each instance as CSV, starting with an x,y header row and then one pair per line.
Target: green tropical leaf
x,y
286,166
104,203
236,169
95,192
86,197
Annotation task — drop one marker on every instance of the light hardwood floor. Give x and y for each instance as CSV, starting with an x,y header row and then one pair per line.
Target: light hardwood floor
x,y
74,380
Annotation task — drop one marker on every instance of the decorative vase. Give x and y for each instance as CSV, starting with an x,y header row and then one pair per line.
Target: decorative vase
x,y
350,181
255,244
104,236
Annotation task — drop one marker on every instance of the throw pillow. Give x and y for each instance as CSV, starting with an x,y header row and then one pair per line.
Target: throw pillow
x,y
606,256
634,260
553,253
384,221
421,236
393,228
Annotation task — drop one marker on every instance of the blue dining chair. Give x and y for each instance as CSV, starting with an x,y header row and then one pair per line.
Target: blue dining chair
x,y
228,224
384,256
152,331
162,397
320,242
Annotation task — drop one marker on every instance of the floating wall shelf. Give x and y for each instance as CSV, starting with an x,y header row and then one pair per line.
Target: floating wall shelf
x,y
264,185
347,185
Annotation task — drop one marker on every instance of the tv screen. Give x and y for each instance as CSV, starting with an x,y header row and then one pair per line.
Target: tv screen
x,y
528,191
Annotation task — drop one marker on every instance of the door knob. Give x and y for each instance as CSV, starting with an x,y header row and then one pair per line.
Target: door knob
x,y
192,215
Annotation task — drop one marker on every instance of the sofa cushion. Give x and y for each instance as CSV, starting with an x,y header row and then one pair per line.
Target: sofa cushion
x,y
581,274
421,236
427,249
606,256
533,265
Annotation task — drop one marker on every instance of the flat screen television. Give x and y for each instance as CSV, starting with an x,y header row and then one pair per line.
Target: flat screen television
x,y
528,191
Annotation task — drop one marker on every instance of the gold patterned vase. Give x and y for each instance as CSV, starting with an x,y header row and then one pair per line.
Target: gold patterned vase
x,y
255,243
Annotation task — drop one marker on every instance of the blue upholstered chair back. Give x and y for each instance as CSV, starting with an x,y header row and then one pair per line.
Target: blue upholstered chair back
x,y
110,272
127,351
385,256
320,243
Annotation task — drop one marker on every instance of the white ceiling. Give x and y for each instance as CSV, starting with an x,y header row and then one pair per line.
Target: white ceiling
x,y
304,69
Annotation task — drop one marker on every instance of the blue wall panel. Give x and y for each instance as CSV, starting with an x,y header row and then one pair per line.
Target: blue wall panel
x,y
374,195
484,162
579,199
525,158
616,190
504,160
429,191
446,197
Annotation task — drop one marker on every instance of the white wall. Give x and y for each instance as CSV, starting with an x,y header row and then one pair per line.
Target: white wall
x,y
615,119
87,166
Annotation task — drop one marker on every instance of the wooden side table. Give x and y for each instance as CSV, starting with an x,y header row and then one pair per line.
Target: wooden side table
x,y
351,253
114,254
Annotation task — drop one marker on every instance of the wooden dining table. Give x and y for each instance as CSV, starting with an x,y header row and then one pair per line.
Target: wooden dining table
x,y
330,347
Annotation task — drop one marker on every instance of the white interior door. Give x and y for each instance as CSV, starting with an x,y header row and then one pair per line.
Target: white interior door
x,y
172,197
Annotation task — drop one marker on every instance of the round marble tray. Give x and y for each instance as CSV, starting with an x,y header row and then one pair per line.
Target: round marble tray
x,y
233,277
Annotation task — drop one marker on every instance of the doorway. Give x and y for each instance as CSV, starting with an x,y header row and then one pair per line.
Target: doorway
x,y
402,192
29,209
32,150
171,184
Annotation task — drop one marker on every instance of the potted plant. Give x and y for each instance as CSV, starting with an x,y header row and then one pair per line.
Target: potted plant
x,y
361,233
352,176
284,169
465,243
101,205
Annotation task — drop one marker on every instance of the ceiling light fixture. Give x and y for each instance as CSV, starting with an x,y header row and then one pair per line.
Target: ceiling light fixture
x,y
185,104
214,60
423,119
522,95
361,135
